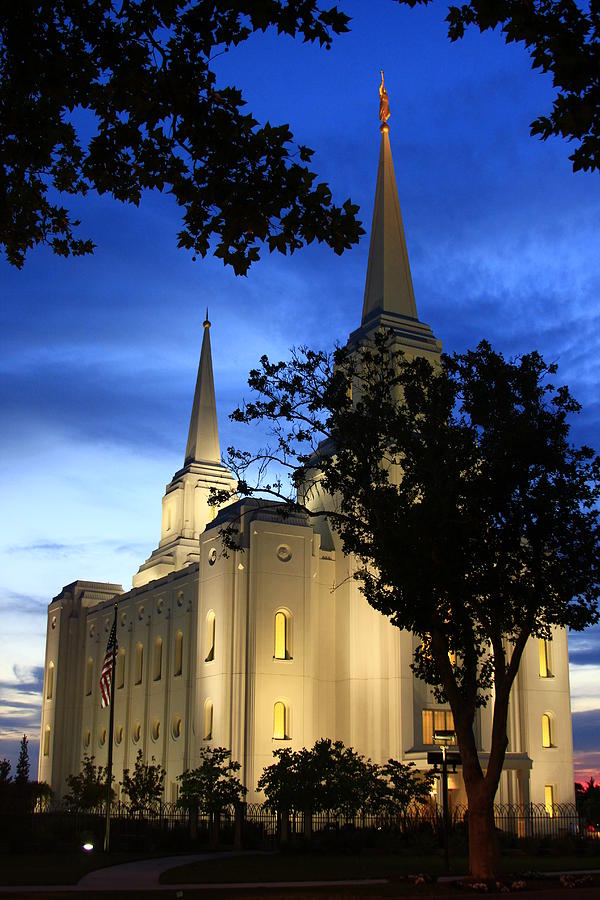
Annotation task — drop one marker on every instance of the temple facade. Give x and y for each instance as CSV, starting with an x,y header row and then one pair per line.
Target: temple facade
x,y
273,645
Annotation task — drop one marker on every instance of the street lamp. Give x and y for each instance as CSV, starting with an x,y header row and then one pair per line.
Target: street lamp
x,y
445,738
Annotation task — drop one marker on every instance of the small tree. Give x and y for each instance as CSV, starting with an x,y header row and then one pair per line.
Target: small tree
x,y
329,777
212,786
22,771
4,772
144,788
404,788
588,801
88,789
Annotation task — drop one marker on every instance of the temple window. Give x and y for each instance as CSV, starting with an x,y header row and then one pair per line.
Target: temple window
x,y
208,720
210,636
178,654
547,731
139,664
158,659
280,721
436,720
50,681
545,658
89,676
282,635
121,669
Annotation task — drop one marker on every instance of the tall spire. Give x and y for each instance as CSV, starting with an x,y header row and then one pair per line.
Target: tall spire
x,y
388,288
203,437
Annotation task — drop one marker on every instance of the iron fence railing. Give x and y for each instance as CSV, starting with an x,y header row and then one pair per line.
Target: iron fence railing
x,y
253,820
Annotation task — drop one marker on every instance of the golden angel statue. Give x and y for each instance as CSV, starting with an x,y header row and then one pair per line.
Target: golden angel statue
x,y
384,102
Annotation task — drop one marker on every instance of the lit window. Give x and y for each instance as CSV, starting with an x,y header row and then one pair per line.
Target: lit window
x,y
546,731
436,720
155,730
210,637
178,653
176,726
50,681
208,720
545,658
121,669
139,664
47,741
136,733
280,721
549,799
118,735
158,659
89,676
282,636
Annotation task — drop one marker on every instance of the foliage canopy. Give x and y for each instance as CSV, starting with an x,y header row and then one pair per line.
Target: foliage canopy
x,y
87,790
144,786
473,520
121,97
213,785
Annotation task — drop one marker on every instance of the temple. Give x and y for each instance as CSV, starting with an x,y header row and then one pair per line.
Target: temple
x,y
273,645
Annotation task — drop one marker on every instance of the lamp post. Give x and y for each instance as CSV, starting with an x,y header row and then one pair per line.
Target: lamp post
x,y
444,738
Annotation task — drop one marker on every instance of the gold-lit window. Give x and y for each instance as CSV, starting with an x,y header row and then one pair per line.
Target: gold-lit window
x,y
210,637
89,676
139,664
121,669
549,799
158,659
47,741
436,720
208,720
546,731
178,654
280,721
545,658
50,681
282,636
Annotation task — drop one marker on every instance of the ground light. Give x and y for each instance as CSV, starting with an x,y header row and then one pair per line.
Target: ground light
x,y
88,846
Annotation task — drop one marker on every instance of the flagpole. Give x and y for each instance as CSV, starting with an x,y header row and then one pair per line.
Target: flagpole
x,y
111,727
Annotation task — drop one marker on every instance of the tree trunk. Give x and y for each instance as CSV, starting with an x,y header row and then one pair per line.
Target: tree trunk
x,y
484,852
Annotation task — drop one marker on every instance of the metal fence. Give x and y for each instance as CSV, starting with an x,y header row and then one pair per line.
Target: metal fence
x,y
167,824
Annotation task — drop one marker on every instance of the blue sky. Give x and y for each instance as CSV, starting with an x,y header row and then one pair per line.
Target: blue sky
x,y
98,356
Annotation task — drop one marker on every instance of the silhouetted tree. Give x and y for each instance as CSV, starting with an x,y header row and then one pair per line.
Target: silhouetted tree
x,y
22,770
472,518
144,787
121,98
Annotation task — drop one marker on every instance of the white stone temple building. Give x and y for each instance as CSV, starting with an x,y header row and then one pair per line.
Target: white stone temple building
x,y
260,649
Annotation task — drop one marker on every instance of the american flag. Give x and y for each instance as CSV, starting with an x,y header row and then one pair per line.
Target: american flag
x,y
107,667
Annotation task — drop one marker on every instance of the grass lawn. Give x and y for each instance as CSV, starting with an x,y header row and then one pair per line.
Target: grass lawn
x,y
334,866
58,868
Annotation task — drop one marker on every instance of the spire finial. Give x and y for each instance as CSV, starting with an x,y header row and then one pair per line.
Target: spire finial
x,y
206,322
384,106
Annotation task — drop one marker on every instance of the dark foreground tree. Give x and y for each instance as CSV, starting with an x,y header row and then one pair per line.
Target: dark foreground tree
x,y
87,790
144,786
22,770
563,39
120,96
587,797
472,517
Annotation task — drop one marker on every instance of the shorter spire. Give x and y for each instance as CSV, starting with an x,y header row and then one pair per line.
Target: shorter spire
x,y
203,437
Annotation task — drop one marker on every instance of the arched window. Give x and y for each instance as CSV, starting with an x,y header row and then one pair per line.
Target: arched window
x,y
47,741
282,635
280,721
549,799
210,636
546,731
545,658
139,664
89,676
158,659
178,654
50,681
208,720
121,668
433,720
